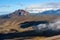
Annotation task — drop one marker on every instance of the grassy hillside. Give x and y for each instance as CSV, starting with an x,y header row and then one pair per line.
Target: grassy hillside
x,y
14,23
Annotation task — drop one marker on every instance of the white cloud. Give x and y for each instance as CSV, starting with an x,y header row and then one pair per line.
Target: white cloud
x,y
42,7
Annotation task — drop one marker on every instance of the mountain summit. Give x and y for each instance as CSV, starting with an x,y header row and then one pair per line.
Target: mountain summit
x,y
15,13
20,12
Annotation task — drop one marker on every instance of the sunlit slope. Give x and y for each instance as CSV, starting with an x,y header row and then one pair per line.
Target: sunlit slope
x,y
15,22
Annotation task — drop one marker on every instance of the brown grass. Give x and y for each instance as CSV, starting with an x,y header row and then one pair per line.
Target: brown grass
x,y
13,22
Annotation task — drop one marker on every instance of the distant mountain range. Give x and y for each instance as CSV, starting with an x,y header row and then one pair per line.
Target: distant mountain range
x,y
51,12
22,13
25,13
48,12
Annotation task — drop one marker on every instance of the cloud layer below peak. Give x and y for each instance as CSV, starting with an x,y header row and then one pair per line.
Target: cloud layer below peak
x,y
42,7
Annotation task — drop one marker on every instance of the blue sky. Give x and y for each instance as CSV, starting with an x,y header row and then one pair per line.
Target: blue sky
x,y
8,6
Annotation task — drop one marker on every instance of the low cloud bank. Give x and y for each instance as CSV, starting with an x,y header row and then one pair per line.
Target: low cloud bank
x,y
48,28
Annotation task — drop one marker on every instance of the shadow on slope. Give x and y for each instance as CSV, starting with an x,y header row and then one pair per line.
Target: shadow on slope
x,y
29,34
31,23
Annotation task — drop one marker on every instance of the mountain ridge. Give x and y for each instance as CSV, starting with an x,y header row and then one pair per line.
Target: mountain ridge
x,y
49,12
14,20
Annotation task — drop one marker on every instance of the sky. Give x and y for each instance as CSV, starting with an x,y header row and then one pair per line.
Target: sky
x,y
8,6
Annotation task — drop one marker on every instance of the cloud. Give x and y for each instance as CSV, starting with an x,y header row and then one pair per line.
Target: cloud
x,y
55,26
54,5
1,6
42,7
9,5
4,12
1,13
